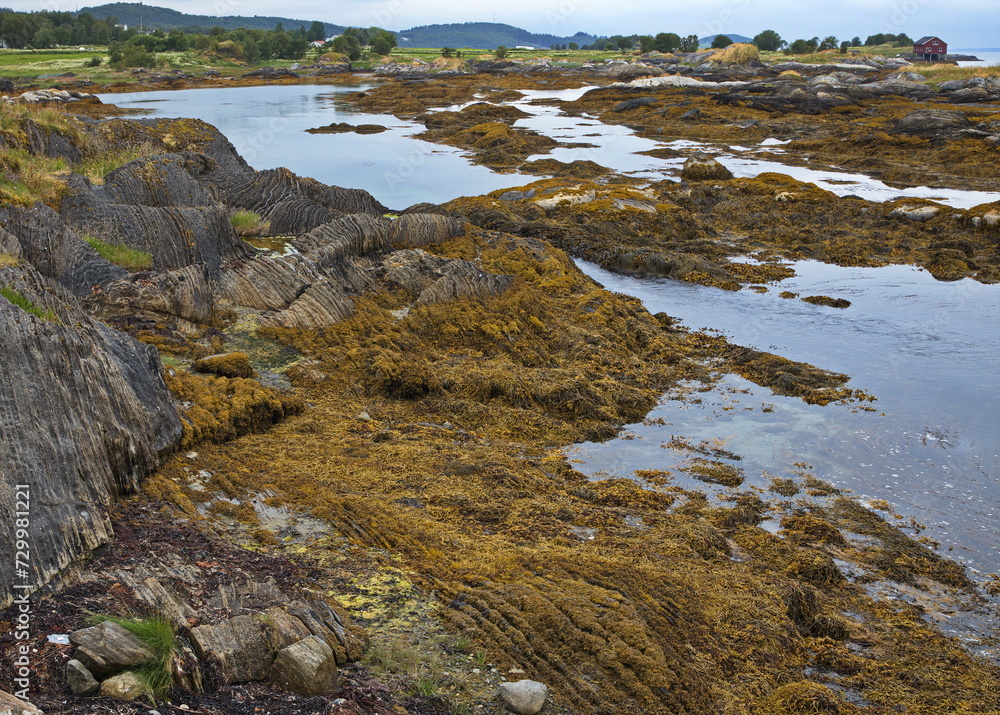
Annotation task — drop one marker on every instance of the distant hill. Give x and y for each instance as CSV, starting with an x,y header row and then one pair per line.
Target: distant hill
x,y
163,18
707,41
482,36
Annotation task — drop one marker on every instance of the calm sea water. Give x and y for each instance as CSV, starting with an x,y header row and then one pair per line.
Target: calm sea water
x,y
930,351
987,58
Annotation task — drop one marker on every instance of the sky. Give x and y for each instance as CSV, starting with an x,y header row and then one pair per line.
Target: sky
x,y
961,23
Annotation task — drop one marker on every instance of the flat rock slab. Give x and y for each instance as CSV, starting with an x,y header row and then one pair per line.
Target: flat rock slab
x,y
108,648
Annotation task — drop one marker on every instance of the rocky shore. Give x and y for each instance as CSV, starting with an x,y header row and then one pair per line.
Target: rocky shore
x,y
340,456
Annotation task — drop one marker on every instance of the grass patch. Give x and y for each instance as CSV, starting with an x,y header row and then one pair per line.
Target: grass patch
x,y
97,167
158,633
7,260
120,254
247,223
422,671
25,304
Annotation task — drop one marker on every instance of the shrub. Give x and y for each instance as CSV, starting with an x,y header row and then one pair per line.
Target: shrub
x,y
501,52
121,255
94,62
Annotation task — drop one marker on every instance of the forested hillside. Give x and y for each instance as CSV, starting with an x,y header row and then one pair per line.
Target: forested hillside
x,y
162,18
482,35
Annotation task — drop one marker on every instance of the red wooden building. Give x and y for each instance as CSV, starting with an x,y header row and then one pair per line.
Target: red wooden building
x,y
930,48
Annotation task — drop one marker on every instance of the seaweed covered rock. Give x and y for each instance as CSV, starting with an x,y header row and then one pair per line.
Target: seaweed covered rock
x,y
225,365
702,167
101,392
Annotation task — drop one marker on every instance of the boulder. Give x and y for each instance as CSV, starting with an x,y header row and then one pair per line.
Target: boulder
x,y
235,651
307,667
108,648
702,167
80,680
634,104
9,705
916,213
124,686
525,697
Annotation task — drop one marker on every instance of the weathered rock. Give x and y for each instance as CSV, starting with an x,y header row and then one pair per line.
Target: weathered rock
x,y
169,180
525,697
916,213
185,670
702,167
108,648
126,686
933,123
307,667
629,104
236,651
44,142
297,215
56,251
323,621
226,365
347,236
9,705
80,680
185,293
102,393
262,191
284,628
419,229
323,303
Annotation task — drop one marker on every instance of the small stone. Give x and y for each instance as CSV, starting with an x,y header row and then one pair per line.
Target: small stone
x,y
81,681
525,697
184,706
191,455
516,671
124,686
364,416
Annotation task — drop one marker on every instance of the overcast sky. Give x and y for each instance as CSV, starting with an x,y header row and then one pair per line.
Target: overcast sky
x,y
961,23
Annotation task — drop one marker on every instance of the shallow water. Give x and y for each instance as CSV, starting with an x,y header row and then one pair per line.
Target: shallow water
x,y
928,350
267,125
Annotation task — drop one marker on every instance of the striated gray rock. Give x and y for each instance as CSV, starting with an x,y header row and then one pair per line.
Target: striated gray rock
x,y
43,142
80,680
434,279
125,686
347,236
263,191
236,651
185,293
160,181
414,230
933,123
84,415
108,648
56,251
307,667
525,697
322,303
174,237
297,215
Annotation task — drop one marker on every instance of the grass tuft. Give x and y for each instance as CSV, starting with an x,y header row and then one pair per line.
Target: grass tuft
x,y
120,254
247,223
25,304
